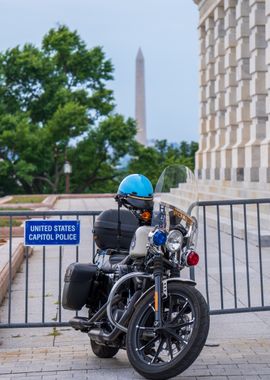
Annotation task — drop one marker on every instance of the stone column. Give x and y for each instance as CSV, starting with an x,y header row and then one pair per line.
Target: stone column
x,y
219,91
242,92
257,89
203,132
265,145
230,88
210,96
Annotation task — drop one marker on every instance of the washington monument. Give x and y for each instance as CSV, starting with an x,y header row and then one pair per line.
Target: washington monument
x,y
140,114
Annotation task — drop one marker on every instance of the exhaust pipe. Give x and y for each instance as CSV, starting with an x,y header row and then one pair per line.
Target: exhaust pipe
x,y
84,324
100,336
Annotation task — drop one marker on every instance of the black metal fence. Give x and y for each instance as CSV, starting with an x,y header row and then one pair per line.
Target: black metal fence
x,y
233,275
235,240
33,297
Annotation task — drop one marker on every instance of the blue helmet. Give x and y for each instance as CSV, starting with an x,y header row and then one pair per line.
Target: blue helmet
x,y
137,191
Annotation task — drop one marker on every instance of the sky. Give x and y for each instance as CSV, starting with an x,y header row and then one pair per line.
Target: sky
x,y
166,31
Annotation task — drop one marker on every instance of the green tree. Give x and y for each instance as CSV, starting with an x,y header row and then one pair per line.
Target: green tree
x,y
151,161
96,158
55,104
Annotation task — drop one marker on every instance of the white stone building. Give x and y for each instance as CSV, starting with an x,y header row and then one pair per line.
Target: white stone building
x,y
234,92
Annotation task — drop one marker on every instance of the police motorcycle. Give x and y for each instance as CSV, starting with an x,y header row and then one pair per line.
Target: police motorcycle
x,y
135,296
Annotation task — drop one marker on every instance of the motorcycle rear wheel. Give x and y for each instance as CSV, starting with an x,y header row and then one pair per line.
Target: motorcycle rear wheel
x,y
101,351
166,352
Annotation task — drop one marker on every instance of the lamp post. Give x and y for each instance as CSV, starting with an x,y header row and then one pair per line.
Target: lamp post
x,y
67,172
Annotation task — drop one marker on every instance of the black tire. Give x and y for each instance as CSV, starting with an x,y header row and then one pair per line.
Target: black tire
x,y
186,326
104,352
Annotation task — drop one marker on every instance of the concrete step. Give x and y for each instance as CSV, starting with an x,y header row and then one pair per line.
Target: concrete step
x,y
238,214
234,191
217,192
254,186
239,230
202,196
183,192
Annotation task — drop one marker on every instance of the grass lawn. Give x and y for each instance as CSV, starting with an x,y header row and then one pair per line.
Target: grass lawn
x,y
6,222
15,209
27,199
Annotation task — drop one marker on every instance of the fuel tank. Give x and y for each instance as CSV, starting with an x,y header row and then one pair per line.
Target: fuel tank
x,y
138,245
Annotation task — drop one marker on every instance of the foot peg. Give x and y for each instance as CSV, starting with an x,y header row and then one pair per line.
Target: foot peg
x,y
80,323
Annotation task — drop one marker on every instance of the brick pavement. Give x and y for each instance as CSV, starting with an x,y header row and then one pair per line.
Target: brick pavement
x,y
230,360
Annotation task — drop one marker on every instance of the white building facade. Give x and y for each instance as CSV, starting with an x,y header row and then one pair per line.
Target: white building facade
x,y
234,91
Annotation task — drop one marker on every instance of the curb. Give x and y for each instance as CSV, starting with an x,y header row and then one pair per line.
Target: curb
x,y
16,261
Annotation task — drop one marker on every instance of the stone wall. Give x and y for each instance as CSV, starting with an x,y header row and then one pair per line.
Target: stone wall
x,y
234,37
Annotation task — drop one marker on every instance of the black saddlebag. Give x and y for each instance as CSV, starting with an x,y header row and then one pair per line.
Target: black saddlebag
x,y
79,279
106,229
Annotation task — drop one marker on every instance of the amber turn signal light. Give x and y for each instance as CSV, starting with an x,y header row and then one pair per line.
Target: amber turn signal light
x,y
146,216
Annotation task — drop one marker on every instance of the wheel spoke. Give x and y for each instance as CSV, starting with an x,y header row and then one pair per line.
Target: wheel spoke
x,y
182,324
178,346
152,307
158,351
180,312
184,306
177,337
169,344
170,308
148,344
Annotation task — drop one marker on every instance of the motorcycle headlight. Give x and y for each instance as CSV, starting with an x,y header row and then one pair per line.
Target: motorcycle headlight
x,y
174,241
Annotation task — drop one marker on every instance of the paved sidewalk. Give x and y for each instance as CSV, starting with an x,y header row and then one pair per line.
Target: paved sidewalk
x,y
231,360
238,346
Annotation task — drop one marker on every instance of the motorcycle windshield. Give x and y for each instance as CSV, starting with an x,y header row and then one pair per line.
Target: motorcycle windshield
x,y
175,197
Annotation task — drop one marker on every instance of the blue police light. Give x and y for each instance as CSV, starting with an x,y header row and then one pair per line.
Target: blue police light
x,y
159,237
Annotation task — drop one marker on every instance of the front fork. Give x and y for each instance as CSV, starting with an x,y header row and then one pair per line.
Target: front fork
x,y
158,276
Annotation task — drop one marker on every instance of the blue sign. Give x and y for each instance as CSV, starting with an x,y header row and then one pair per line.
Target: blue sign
x,y
52,232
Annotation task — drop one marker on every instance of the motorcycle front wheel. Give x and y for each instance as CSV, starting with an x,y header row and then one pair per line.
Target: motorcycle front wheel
x,y
161,353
